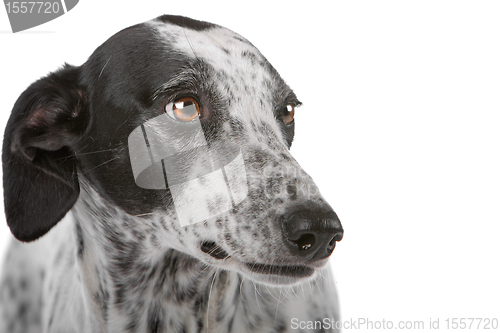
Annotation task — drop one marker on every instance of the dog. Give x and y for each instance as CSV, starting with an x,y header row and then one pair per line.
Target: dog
x,y
221,232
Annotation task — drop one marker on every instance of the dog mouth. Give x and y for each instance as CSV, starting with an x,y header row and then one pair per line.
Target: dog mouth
x,y
296,271
291,271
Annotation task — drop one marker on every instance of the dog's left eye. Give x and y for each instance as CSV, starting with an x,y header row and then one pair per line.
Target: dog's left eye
x,y
288,113
183,109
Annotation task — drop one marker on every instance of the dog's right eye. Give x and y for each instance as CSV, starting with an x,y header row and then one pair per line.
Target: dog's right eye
x,y
183,109
288,113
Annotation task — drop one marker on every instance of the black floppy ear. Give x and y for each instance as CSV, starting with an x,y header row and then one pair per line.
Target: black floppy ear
x,y
39,165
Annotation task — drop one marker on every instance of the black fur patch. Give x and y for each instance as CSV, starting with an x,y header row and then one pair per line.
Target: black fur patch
x,y
155,319
186,22
79,239
39,165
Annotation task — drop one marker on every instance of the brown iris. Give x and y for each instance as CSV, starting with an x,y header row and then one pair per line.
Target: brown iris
x,y
183,109
288,113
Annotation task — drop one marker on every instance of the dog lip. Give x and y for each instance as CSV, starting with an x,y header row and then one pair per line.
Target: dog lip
x,y
211,248
298,271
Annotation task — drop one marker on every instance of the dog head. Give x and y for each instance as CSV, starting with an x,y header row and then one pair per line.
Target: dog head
x,y
223,184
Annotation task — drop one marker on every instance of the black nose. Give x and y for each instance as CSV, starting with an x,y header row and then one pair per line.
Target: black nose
x,y
312,234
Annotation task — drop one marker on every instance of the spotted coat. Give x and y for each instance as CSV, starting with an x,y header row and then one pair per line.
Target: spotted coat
x,y
119,261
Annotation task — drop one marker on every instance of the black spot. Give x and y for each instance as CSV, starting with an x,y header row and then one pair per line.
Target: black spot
x,y
101,297
285,157
154,241
266,232
241,39
268,84
200,306
235,245
199,323
214,250
273,185
22,311
236,126
51,321
23,283
280,327
251,56
129,253
155,319
186,22
292,191
230,324
132,324
79,237
258,158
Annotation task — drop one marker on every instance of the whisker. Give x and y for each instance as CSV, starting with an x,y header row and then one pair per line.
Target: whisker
x,y
145,214
190,45
256,297
209,295
99,151
102,70
241,293
100,165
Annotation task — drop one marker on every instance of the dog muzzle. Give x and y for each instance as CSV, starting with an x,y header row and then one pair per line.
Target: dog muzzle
x,y
204,181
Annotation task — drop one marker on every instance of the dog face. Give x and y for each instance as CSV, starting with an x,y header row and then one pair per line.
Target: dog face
x,y
74,127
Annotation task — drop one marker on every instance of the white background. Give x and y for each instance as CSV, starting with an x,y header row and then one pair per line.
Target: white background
x,y
399,128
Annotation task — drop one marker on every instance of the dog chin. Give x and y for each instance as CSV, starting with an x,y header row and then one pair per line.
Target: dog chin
x,y
278,280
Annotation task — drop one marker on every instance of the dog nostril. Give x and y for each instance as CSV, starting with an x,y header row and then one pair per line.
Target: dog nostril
x,y
337,238
332,242
305,242
214,250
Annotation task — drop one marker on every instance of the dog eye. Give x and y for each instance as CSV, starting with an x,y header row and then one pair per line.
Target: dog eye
x,y
288,113
183,109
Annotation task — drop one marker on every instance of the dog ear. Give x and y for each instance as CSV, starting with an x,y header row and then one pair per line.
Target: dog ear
x,y
39,165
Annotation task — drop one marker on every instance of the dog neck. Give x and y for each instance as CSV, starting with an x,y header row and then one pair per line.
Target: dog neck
x,y
132,281
136,286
